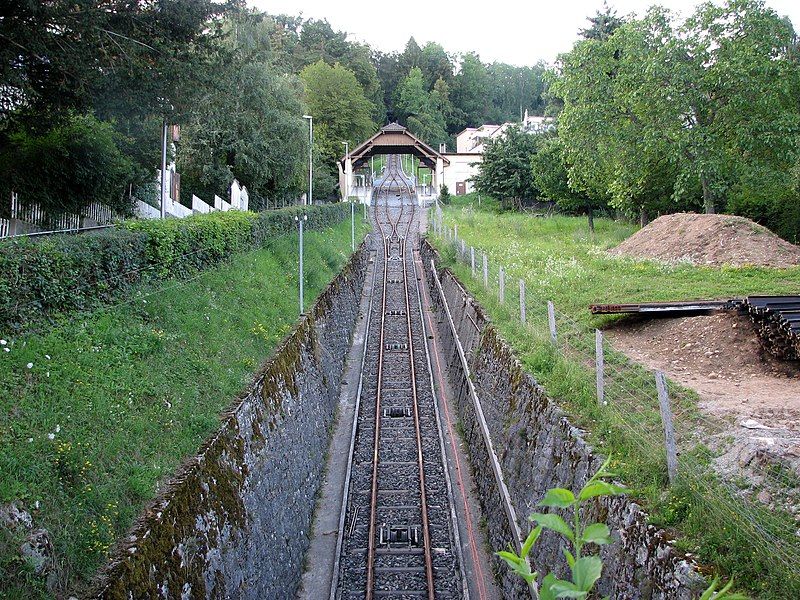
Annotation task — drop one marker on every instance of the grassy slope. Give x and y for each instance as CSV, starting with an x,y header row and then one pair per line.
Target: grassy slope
x,y
560,261
129,390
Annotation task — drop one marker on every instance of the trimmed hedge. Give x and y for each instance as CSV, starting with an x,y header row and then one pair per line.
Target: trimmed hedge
x,y
45,277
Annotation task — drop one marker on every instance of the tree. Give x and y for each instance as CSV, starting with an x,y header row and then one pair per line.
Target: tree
x,y
602,25
435,65
662,115
470,93
505,172
421,110
69,167
256,135
550,174
341,112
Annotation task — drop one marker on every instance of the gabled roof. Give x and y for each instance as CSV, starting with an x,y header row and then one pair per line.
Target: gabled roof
x,y
394,139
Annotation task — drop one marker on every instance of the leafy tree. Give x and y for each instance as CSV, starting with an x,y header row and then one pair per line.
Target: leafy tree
x,y
68,167
410,57
515,89
420,109
470,93
256,135
340,109
62,56
659,116
505,171
435,65
602,25
550,174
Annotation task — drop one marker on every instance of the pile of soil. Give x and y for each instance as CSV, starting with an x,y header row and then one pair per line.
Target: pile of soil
x,y
710,240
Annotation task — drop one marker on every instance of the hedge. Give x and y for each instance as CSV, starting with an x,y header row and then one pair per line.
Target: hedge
x,y
42,278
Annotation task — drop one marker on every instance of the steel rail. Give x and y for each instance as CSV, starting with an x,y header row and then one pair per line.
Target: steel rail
x,y
402,241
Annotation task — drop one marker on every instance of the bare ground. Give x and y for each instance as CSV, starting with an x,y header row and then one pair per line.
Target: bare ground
x,y
755,397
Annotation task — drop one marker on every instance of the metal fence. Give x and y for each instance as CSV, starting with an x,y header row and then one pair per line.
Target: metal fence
x,y
18,217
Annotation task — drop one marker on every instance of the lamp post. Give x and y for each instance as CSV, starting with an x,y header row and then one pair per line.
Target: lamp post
x,y
300,220
309,200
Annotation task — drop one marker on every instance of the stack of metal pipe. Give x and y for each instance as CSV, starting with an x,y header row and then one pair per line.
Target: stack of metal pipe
x,y
777,322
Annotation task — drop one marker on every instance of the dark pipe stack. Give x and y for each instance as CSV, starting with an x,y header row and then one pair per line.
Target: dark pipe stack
x,y
777,321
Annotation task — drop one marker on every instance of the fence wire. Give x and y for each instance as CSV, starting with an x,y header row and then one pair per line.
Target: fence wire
x,y
631,406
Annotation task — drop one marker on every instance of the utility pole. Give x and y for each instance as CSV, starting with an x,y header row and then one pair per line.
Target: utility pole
x,y
164,169
300,220
310,199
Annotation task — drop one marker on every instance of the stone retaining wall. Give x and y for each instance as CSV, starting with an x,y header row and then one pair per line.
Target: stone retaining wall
x,y
539,449
235,520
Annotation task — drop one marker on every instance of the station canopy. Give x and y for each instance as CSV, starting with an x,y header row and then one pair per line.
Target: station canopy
x,y
395,139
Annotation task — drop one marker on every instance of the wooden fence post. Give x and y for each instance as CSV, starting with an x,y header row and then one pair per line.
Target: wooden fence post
x,y
669,428
551,319
472,259
485,271
599,365
522,301
502,283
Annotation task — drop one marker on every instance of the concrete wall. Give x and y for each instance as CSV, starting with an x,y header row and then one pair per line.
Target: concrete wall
x,y
235,520
539,449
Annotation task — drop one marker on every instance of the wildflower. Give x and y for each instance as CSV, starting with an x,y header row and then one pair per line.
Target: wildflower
x,y
30,365
7,349
47,356
3,342
30,440
51,436
58,428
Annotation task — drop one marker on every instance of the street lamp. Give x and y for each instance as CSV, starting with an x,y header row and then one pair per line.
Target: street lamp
x,y
300,220
310,157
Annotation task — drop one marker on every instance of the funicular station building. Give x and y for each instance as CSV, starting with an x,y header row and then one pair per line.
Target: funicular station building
x,y
355,167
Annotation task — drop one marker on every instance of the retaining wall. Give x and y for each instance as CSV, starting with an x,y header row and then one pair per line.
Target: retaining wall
x,y
538,449
235,520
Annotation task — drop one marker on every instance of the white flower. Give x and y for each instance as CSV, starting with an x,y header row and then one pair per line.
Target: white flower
x,y
47,356
7,349
30,365
30,440
3,342
51,436
58,428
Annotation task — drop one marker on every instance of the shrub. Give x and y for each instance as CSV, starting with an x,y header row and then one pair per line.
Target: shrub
x,y
444,194
43,278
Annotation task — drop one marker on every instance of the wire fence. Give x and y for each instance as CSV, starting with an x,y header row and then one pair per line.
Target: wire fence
x,y
626,403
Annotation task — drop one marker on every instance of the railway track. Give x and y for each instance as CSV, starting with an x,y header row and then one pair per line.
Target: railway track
x,y
397,536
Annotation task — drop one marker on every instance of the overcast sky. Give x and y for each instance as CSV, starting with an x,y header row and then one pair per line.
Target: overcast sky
x,y
516,32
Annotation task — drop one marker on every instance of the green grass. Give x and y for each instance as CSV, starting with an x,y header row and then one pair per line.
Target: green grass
x,y
127,391
561,262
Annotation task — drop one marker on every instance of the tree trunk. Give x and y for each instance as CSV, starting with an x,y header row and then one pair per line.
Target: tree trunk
x,y
708,197
643,218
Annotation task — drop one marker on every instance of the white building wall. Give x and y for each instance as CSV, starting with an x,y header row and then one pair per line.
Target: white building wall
x,y
461,168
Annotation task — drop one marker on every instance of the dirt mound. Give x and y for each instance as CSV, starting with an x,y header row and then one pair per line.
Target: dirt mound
x,y
709,240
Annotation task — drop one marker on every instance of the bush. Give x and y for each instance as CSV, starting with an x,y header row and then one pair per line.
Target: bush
x,y
444,194
43,278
